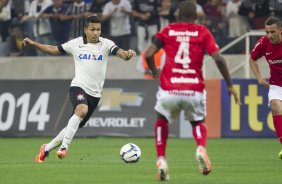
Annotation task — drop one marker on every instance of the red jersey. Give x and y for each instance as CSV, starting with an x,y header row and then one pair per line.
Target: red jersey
x,y
273,55
185,45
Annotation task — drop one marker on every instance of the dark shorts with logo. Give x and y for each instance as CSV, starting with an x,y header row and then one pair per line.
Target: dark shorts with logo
x,y
78,96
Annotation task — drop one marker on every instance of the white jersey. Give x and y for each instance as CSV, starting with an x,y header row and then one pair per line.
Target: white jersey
x,y
90,63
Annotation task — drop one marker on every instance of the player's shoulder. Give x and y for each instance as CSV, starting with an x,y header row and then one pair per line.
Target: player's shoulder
x,y
105,40
172,27
263,40
73,42
105,43
261,44
203,27
78,40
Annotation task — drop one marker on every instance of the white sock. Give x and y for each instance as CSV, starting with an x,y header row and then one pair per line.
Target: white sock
x,y
56,141
71,129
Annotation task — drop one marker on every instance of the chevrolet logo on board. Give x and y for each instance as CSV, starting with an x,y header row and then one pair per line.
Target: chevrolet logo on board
x,y
114,98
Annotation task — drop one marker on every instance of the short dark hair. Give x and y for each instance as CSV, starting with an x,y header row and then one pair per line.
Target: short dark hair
x,y
187,9
273,20
92,19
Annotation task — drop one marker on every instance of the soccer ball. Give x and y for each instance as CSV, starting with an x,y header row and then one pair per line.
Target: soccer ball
x,y
130,153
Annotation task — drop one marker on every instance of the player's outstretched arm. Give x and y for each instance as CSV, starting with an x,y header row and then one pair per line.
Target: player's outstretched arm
x,y
126,55
49,49
221,65
255,68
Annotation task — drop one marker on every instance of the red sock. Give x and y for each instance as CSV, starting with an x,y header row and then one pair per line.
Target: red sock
x,y
277,120
200,134
161,134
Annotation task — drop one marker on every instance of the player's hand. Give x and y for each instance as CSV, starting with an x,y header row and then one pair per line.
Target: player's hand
x,y
130,53
232,92
263,82
27,41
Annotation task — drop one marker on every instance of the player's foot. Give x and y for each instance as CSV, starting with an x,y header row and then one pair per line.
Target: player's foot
x,y
41,155
280,154
162,169
203,160
61,153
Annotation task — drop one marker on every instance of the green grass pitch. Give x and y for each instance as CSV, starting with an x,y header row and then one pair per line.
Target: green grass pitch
x,y
96,161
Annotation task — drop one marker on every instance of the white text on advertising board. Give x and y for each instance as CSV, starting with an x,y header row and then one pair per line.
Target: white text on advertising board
x,y
118,122
34,114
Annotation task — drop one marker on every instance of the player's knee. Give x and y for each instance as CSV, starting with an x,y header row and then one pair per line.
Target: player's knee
x,y
160,116
195,123
276,107
81,110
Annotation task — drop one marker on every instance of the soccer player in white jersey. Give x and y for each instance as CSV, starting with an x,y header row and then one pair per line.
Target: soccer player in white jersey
x,y
182,82
90,54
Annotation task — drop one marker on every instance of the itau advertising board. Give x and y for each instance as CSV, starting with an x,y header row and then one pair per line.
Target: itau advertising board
x,y
42,108
253,118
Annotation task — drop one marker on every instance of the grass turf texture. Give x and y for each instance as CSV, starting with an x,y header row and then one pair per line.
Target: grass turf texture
x,y
96,160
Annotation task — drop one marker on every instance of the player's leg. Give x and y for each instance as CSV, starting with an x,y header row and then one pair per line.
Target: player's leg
x,y
161,130
71,129
200,136
195,111
40,157
79,101
199,131
275,103
276,108
46,148
56,141
92,105
161,135
167,109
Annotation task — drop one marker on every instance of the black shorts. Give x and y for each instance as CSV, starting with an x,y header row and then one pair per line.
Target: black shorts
x,y
78,96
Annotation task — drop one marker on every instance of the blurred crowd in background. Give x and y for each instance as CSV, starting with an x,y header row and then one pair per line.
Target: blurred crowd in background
x,y
129,23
